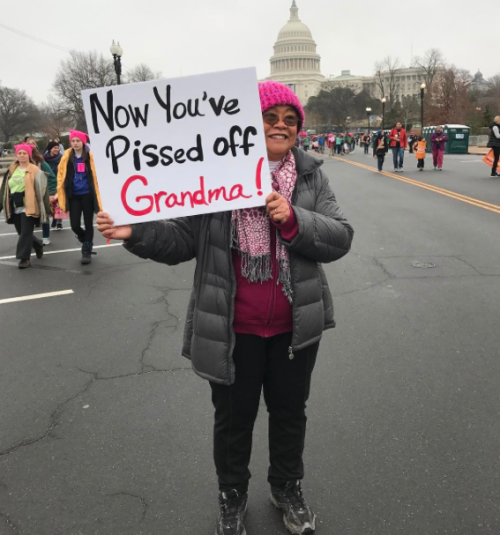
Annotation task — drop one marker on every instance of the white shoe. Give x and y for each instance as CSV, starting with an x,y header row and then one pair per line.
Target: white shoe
x,y
46,241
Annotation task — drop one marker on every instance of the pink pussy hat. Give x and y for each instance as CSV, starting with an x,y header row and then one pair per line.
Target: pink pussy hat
x,y
276,94
82,136
26,147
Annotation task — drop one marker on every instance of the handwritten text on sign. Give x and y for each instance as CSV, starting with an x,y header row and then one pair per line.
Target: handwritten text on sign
x,y
185,146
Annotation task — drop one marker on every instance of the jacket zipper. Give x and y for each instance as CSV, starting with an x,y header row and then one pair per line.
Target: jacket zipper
x,y
274,270
232,337
291,260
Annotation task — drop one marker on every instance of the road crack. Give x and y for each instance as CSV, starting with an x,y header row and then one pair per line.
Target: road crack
x,y
56,414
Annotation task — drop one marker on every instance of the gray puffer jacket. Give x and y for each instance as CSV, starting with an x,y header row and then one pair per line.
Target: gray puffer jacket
x,y
324,236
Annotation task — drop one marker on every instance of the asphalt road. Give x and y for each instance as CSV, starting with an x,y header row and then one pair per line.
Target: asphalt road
x,y
104,429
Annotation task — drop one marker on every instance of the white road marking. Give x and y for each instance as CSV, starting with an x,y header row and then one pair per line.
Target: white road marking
x,y
35,296
63,251
51,231
470,161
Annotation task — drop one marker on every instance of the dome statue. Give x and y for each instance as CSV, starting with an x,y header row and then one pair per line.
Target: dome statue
x,y
295,61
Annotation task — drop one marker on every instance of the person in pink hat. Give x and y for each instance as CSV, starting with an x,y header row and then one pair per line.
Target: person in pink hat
x,y
22,197
259,306
78,191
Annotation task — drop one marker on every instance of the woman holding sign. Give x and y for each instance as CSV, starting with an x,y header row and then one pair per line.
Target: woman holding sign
x,y
258,309
77,190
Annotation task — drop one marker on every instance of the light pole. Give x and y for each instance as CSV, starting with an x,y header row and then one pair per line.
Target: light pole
x,y
368,112
117,52
422,94
384,100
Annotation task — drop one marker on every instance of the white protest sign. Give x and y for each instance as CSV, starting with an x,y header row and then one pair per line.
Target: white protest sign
x,y
179,147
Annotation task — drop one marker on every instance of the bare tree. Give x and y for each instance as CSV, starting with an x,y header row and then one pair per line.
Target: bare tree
x,y
387,78
430,64
18,113
142,73
55,119
380,79
409,110
83,70
451,103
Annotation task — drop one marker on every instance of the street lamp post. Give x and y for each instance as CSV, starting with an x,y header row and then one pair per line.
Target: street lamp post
x,y
117,52
384,100
368,112
422,94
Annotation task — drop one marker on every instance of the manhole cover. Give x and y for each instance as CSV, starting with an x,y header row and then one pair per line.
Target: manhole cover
x,y
424,265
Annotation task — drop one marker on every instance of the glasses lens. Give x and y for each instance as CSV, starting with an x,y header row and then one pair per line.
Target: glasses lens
x,y
291,120
271,118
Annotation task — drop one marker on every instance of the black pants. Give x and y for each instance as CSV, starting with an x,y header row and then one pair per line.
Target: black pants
x,y
263,363
420,163
366,149
496,153
380,160
27,240
77,205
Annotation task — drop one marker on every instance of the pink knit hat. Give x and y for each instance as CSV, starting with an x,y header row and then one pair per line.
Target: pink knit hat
x,y
82,136
26,147
276,94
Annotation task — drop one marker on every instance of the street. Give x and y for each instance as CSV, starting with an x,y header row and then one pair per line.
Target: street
x,y
105,430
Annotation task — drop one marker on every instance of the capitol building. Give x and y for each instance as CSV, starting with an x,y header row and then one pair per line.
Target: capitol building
x,y
295,62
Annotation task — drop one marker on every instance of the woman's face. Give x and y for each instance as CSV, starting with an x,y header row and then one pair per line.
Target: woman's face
x,y
54,151
280,130
77,144
23,156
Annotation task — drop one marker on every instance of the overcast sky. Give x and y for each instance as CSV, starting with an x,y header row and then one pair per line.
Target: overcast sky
x,y
195,36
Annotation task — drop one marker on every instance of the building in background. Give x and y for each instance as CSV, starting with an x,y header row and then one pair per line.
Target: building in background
x,y
295,62
405,82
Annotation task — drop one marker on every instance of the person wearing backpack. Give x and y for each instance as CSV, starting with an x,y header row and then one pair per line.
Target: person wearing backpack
x,y
380,148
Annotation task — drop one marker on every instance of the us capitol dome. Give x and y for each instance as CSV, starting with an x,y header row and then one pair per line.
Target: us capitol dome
x,y
295,62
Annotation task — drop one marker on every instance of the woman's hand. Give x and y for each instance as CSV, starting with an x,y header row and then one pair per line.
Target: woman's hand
x,y
105,225
277,207
52,198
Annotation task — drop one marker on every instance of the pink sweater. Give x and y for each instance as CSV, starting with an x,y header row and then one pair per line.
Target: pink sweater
x,y
262,308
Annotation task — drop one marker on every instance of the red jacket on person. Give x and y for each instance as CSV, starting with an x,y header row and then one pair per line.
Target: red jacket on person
x,y
403,138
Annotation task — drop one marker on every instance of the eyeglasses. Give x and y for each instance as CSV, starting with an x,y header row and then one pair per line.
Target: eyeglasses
x,y
272,119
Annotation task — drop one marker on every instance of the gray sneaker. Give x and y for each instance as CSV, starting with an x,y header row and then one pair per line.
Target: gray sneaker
x,y
233,508
298,517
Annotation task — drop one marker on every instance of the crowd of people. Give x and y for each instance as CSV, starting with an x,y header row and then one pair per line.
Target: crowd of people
x,y
396,140
53,184
61,184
